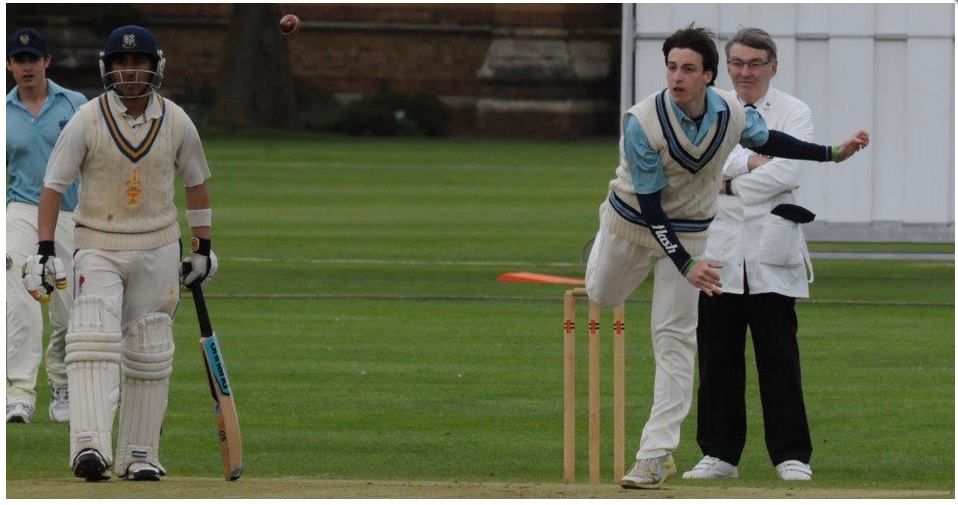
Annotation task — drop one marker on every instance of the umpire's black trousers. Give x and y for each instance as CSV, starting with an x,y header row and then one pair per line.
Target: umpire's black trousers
x,y
721,398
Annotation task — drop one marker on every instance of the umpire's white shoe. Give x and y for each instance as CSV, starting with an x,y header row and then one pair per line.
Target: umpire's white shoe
x,y
143,471
19,412
59,404
649,473
712,468
794,470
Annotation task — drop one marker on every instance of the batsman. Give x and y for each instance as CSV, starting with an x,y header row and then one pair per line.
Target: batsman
x,y
126,146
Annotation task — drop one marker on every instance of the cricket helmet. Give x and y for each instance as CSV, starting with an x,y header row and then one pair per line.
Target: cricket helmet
x,y
137,40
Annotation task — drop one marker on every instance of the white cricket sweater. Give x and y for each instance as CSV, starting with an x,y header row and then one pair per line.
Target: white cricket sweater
x,y
126,192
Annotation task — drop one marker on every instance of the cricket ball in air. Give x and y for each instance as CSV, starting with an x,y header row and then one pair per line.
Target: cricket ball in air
x,y
289,24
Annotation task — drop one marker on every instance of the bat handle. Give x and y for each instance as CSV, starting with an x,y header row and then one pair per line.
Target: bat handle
x,y
203,315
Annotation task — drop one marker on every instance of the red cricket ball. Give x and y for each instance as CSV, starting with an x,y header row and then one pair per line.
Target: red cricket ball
x,y
289,24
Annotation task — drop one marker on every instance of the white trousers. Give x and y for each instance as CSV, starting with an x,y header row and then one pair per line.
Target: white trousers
x,y
616,268
24,315
133,283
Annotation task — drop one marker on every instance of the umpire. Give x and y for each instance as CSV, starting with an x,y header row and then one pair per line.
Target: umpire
x,y
757,236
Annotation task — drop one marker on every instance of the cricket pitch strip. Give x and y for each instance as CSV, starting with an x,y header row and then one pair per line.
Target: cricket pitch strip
x,y
301,487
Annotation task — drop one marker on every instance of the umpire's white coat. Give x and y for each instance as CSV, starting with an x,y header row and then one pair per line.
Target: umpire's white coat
x,y
744,235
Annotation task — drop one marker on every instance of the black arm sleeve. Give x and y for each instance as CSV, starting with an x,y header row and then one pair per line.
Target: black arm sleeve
x,y
784,145
661,228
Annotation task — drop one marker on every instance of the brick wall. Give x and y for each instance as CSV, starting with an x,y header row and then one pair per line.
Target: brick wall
x,y
515,70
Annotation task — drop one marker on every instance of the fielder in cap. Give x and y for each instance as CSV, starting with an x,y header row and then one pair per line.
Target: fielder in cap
x,y
657,216
127,146
37,110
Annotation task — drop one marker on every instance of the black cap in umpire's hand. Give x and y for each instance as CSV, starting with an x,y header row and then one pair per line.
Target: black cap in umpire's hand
x,y
794,213
26,40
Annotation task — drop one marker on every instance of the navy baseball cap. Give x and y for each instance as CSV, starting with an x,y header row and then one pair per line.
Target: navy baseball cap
x,y
26,40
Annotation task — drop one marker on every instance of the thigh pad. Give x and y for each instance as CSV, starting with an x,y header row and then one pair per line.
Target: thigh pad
x,y
94,331
148,348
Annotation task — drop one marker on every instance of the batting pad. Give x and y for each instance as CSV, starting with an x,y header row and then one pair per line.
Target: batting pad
x,y
93,372
147,366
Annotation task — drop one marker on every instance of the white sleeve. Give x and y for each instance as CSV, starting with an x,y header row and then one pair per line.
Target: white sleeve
x,y
67,156
780,174
191,164
737,163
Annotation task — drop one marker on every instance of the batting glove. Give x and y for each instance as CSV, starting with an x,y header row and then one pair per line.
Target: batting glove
x,y
201,266
44,272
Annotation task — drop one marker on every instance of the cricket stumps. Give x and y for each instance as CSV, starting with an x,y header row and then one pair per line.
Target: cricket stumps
x,y
618,389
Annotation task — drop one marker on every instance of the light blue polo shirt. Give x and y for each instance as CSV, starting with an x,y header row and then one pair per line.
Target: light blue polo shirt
x,y
30,141
645,164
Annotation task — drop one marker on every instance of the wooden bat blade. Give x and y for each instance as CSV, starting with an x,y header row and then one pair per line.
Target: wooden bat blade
x,y
225,408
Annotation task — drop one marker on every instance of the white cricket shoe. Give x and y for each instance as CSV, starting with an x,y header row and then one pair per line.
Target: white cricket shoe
x,y
649,473
712,468
19,412
143,471
59,404
794,470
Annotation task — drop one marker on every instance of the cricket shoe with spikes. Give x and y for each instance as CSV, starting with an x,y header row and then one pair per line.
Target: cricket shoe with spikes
x,y
91,466
19,412
59,404
649,473
143,471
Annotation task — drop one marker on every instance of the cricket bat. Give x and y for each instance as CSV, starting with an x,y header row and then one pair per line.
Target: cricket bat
x,y
224,406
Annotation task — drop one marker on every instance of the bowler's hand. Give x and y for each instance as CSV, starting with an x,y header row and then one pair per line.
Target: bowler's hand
x,y
846,149
703,276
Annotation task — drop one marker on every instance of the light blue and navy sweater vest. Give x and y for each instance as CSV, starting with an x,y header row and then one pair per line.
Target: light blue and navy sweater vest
x,y
693,173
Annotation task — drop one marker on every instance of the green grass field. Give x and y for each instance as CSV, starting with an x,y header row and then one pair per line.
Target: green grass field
x,y
367,338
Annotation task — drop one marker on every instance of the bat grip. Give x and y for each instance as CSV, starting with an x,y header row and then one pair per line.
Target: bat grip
x,y
203,315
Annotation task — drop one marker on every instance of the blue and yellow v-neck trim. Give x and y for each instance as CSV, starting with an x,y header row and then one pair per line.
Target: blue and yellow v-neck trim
x,y
133,153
